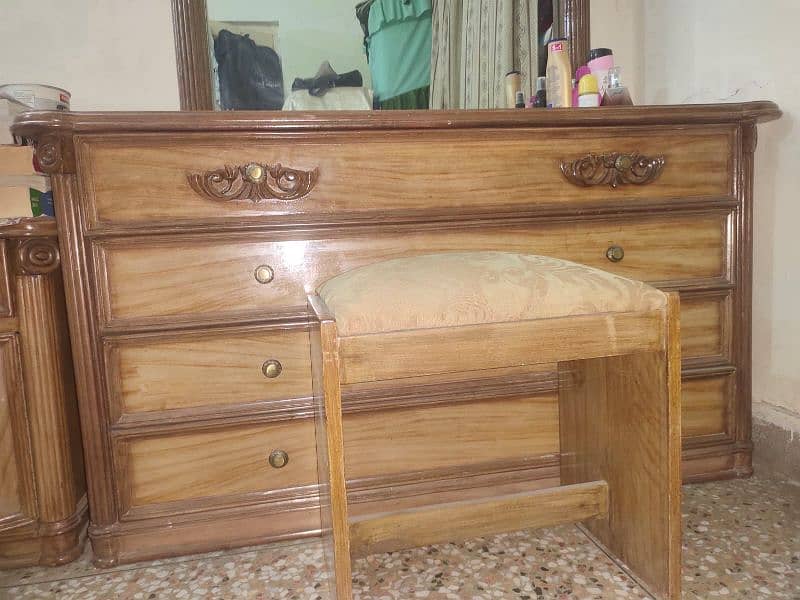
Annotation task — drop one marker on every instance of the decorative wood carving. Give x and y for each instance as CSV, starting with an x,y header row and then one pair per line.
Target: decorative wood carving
x,y
55,154
254,182
749,137
37,256
614,169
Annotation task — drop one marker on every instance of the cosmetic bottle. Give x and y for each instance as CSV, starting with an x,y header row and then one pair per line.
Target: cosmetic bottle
x,y
582,70
559,75
520,102
513,85
540,99
588,92
601,60
616,94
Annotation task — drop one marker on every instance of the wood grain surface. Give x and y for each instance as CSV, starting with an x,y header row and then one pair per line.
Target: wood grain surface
x,y
179,279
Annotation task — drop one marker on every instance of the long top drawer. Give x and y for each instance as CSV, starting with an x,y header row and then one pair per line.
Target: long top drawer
x,y
153,180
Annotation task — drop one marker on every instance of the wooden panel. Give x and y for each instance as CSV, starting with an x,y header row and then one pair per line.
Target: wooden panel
x,y
13,430
464,434
179,371
216,463
396,354
705,405
620,422
143,180
162,280
705,325
456,521
6,307
331,454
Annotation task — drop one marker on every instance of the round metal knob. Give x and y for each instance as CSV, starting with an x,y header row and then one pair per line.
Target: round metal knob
x,y
615,253
264,274
254,172
278,459
624,162
271,368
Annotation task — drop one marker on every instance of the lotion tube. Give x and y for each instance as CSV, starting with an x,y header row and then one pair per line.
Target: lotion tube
x,y
559,75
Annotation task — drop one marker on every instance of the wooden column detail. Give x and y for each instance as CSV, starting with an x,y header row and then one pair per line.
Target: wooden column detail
x,y
45,366
93,410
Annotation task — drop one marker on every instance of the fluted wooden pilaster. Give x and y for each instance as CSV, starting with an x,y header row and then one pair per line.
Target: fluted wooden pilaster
x,y
48,388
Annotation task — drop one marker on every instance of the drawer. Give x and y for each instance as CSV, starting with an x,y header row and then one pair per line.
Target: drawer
x,y
706,325
144,180
705,405
227,464
231,464
410,440
190,278
212,368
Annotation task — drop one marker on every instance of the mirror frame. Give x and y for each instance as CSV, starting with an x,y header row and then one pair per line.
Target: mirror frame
x,y
189,22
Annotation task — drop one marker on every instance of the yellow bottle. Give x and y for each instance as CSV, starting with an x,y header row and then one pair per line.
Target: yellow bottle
x,y
588,92
559,75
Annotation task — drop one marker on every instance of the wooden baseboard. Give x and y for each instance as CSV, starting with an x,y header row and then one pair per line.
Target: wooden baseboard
x,y
45,544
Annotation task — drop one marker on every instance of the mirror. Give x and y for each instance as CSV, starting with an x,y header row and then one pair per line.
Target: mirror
x,y
383,54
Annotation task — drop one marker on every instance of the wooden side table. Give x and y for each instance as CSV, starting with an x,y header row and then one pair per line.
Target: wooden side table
x,y
43,508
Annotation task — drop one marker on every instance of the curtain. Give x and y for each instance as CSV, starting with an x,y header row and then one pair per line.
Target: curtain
x,y
475,43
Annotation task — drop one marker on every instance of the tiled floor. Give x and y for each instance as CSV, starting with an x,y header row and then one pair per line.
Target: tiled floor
x,y
741,540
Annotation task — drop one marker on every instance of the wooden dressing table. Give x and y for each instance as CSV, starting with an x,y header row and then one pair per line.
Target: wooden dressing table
x,y
190,240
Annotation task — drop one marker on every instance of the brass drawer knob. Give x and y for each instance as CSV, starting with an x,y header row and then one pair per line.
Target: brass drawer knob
x,y
278,459
615,253
264,274
271,368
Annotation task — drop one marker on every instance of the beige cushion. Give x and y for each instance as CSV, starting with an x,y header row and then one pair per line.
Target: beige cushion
x,y
467,288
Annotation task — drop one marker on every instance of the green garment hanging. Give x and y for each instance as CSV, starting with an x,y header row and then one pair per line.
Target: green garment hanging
x,y
399,47
419,98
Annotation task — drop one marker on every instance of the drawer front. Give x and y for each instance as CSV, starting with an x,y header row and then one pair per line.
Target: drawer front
x,y
143,180
410,440
194,277
210,465
705,406
186,371
234,462
706,325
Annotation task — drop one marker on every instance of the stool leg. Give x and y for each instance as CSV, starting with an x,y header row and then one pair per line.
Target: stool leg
x,y
620,421
330,458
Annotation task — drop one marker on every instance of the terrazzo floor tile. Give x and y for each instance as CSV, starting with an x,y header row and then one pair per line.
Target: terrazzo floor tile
x,y
741,540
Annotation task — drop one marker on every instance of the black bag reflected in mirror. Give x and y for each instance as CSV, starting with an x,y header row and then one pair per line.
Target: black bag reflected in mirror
x,y
250,76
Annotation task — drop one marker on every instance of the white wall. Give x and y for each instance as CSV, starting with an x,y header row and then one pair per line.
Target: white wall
x,y
111,54
309,32
617,24
732,51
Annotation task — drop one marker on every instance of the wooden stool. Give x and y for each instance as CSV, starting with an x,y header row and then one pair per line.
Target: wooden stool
x,y
616,345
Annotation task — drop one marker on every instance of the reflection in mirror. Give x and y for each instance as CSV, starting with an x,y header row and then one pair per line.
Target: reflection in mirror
x,y
384,54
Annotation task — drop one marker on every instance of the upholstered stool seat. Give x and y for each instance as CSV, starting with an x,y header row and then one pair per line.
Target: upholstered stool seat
x,y
610,342
470,288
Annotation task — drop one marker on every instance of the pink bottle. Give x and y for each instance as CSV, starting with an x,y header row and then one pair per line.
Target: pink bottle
x,y
601,60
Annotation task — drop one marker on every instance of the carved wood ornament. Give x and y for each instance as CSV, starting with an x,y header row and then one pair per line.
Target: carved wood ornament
x,y
614,169
254,182
37,256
